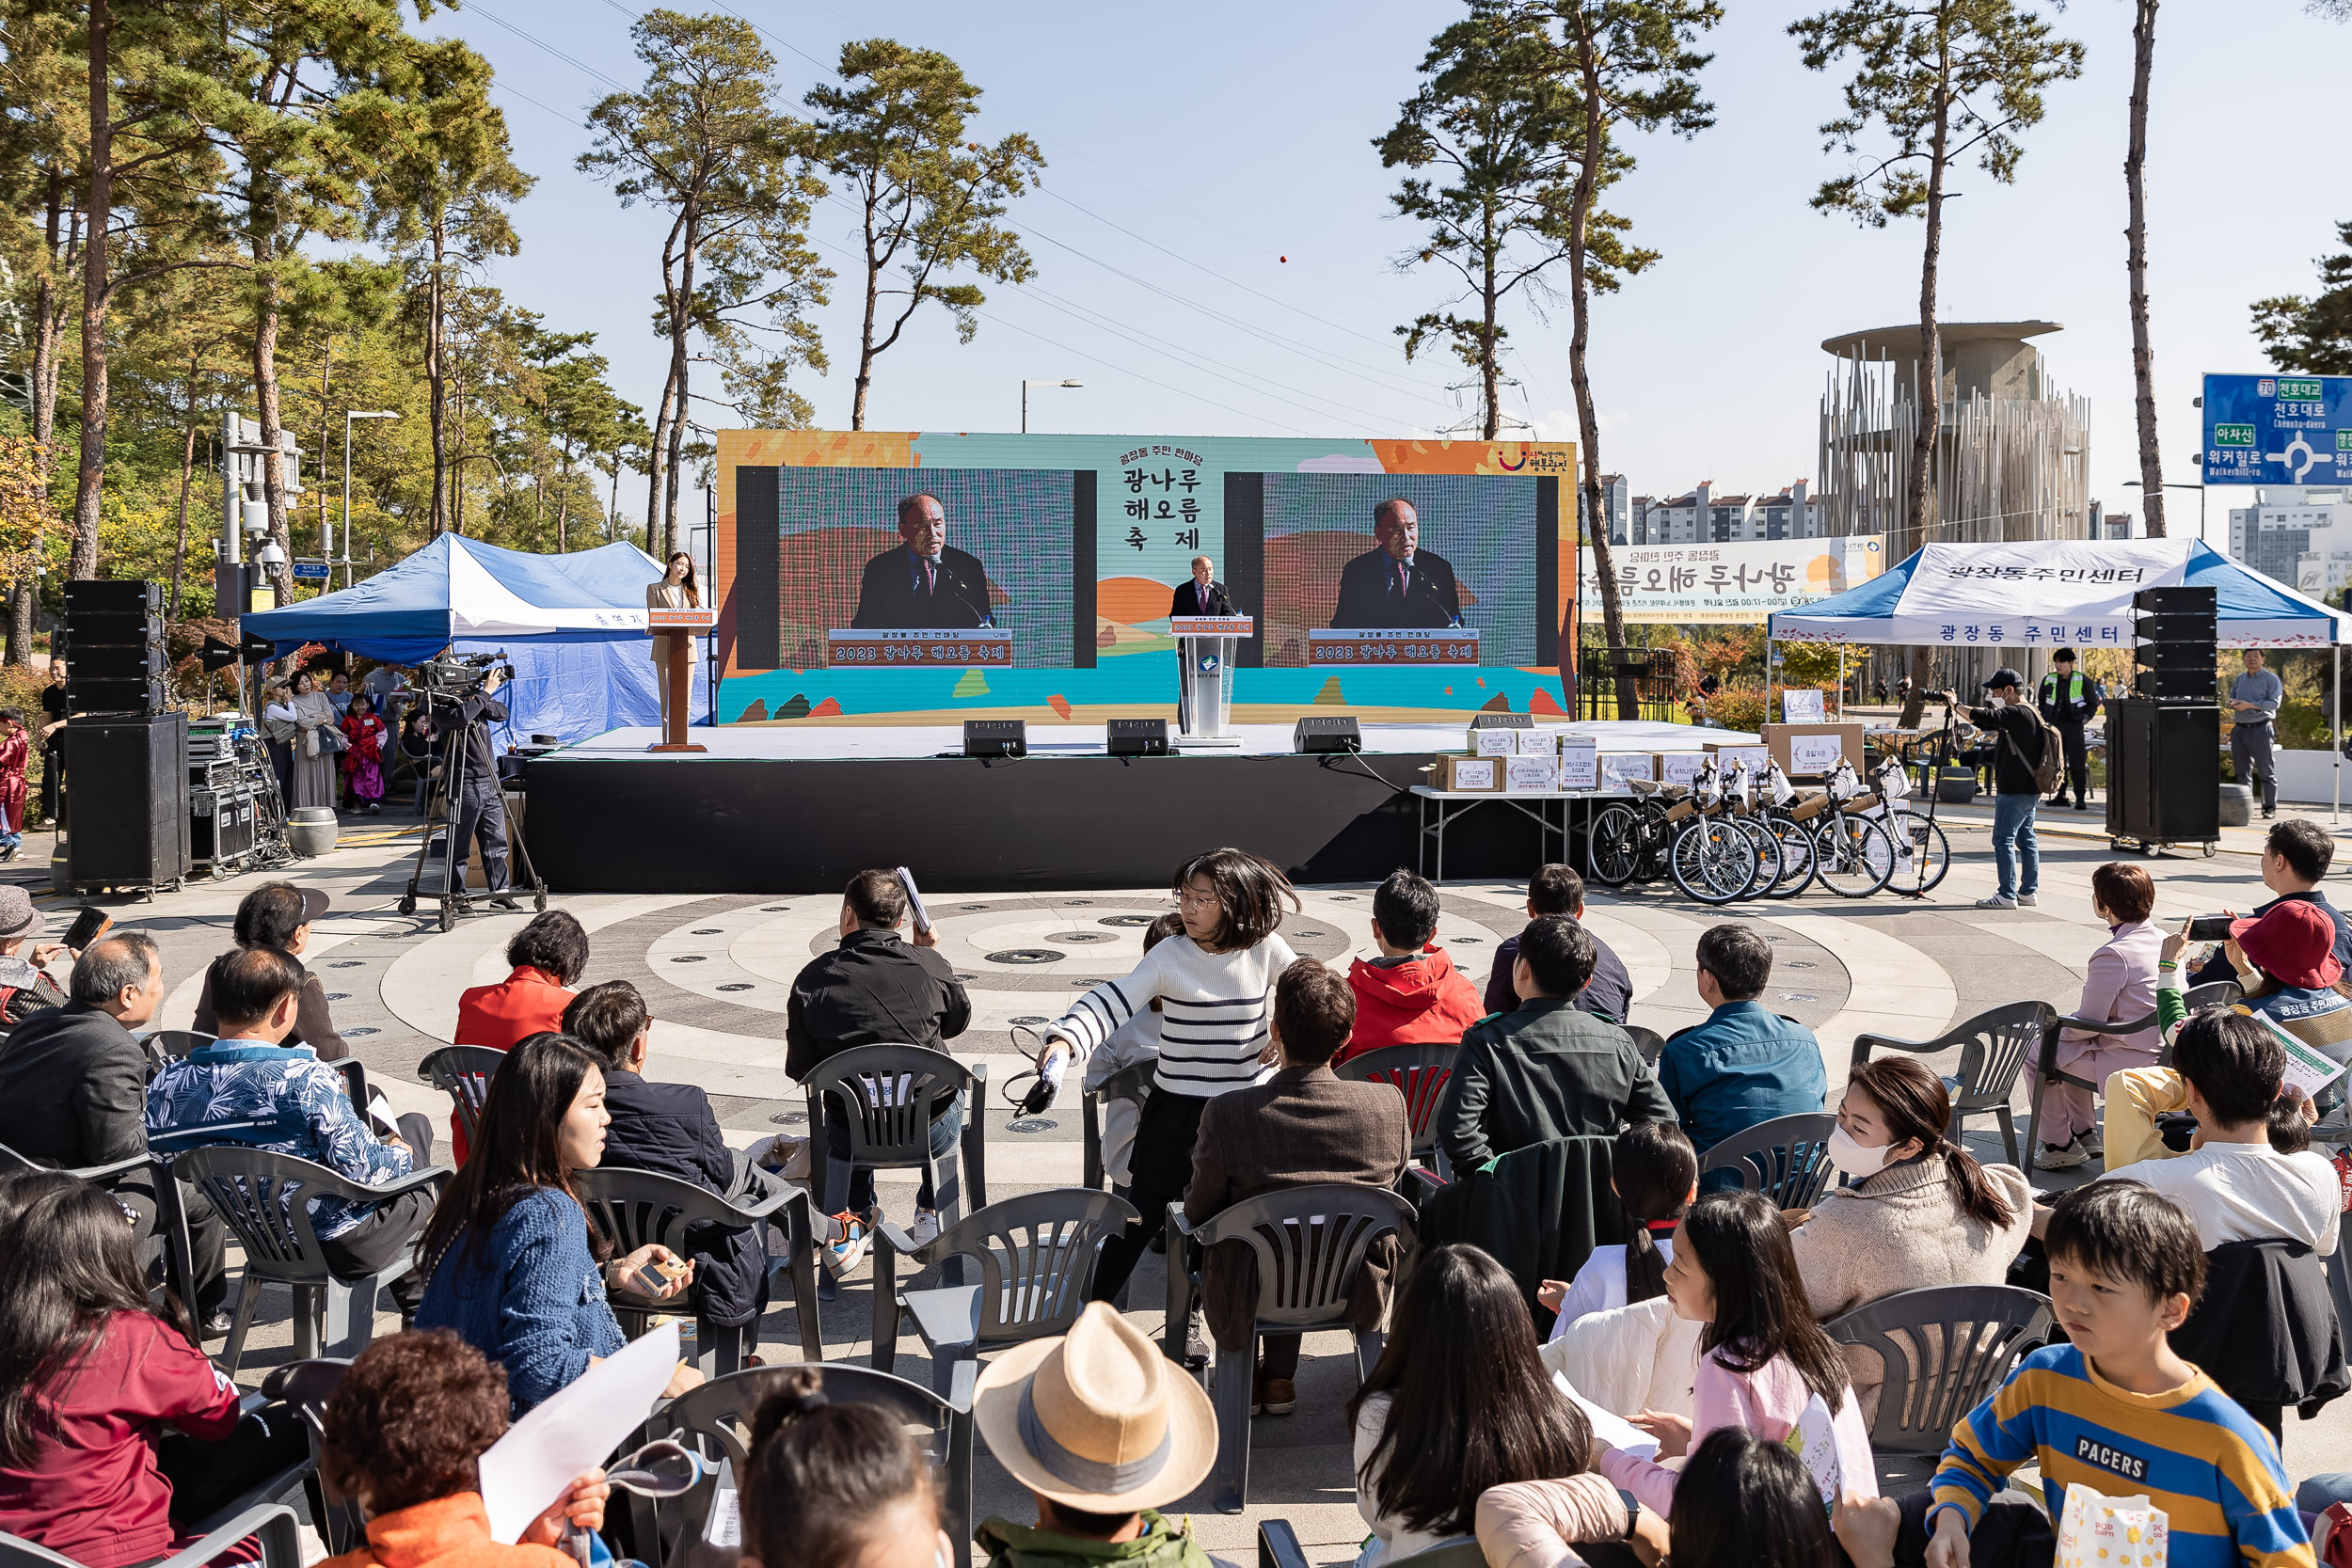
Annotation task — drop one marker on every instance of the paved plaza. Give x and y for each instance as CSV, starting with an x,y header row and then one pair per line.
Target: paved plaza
x,y
717,971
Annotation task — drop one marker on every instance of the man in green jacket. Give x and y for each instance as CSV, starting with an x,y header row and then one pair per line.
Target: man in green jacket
x,y
1105,1432
1545,1070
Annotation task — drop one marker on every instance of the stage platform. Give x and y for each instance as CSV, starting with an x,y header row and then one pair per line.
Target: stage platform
x,y
799,809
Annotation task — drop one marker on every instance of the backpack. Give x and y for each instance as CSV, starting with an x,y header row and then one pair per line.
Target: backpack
x,y
2051,768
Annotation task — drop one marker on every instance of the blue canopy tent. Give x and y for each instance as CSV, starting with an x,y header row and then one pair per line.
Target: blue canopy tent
x,y
573,626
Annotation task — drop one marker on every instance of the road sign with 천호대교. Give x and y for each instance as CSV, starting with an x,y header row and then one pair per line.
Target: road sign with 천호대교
x,y
2278,429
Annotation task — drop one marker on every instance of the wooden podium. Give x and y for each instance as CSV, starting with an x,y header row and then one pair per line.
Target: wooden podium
x,y
674,627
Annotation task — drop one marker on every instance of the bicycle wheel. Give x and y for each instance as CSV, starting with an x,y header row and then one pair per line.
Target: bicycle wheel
x,y
1614,853
1712,859
1853,855
1768,859
1930,855
1797,858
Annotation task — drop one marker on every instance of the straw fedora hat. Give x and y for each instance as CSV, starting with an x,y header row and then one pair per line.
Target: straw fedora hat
x,y
1098,1418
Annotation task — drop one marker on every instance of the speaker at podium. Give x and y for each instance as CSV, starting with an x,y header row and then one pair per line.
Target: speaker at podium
x,y
1204,691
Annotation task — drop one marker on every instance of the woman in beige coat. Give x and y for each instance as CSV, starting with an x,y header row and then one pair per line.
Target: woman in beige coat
x,y
1921,1210
678,590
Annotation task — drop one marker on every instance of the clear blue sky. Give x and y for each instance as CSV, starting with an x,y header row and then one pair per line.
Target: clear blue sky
x,y
1192,147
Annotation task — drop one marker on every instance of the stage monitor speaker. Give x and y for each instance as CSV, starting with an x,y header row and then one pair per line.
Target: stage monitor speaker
x,y
128,808
1318,732
996,738
1502,721
2164,770
1138,737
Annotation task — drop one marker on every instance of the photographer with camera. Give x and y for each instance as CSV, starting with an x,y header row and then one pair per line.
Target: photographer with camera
x,y
460,709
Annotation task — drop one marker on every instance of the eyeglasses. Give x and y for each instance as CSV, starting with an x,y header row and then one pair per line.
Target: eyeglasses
x,y
1190,901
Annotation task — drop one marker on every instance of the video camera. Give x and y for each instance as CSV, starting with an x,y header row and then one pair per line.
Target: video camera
x,y
459,676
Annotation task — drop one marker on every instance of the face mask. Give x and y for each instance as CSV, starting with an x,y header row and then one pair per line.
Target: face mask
x,y
1855,1158
1993,699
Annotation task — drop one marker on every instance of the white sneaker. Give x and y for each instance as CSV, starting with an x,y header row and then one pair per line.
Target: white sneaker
x,y
2027,900
850,1251
2062,1159
925,1231
1996,902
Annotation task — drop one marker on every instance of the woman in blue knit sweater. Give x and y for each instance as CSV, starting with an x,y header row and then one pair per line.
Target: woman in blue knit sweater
x,y
512,1264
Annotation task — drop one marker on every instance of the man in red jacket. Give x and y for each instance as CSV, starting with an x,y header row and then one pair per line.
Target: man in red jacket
x,y
1412,994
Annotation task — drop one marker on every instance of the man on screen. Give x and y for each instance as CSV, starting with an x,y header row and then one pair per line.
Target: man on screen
x,y
1202,593
923,585
1398,586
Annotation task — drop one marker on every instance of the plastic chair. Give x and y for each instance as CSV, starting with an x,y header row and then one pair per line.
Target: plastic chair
x,y
1037,1255
1309,1242
718,1416
2219,993
1786,1159
12,1162
281,1543
1944,1349
1132,1084
887,1096
463,1073
171,1045
1279,1547
631,1207
1419,1072
1653,1044
308,1386
265,1200
1993,1049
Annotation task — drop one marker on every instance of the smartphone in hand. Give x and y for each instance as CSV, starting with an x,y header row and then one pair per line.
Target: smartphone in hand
x,y
2210,927
88,926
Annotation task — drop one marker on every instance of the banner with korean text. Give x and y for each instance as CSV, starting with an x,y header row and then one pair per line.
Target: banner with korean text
x,y
1691,585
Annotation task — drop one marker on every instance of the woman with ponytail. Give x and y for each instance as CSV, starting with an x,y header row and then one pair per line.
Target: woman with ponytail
x,y
1919,1210
837,1486
1655,1174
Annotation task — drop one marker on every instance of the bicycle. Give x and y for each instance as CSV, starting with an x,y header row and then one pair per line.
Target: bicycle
x,y
1854,853
1717,855
1923,854
1629,839
1789,819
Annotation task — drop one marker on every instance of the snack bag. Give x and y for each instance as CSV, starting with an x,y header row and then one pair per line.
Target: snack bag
x,y
2100,1531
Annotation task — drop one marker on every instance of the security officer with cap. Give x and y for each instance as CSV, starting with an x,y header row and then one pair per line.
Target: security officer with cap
x,y
2068,700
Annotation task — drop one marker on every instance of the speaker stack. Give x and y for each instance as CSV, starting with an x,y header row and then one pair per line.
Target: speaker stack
x,y
2164,740
126,813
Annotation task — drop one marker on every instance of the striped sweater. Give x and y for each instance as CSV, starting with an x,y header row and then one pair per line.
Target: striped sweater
x,y
2191,1450
1212,1012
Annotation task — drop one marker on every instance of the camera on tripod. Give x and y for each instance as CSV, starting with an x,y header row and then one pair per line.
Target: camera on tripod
x,y
459,676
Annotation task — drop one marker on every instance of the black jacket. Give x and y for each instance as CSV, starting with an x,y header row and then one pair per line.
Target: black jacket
x,y
2016,734
2058,703
669,1130
1608,993
72,1088
1369,599
1545,1072
2265,1327
873,990
1187,600
887,599
1540,1212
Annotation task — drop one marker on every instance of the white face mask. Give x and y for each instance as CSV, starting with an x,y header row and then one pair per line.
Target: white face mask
x,y
1993,699
1853,1158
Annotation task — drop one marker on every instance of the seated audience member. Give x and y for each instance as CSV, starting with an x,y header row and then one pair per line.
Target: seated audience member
x,y
1301,1127
548,957
1919,1210
2290,977
2297,853
25,987
1763,1355
1412,994
1545,1071
1460,1402
89,1378
1746,1064
669,1129
1559,890
1103,1431
876,989
279,915
73,1095
1136,1041
836,1485
1655,1174
401,1437
1744,1501
2114,1410
509,1246
2118,985
251,1073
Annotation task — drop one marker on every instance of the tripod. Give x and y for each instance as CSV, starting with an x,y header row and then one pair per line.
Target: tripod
x,y
448,794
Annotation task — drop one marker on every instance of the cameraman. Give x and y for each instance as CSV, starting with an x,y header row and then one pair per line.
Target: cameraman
x,y
462,718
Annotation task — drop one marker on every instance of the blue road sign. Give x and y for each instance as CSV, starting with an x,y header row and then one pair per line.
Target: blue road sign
x,y
310,571
2278,429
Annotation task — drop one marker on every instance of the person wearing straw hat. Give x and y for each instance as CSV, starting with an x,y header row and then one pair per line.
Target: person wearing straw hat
x,y
1105,1432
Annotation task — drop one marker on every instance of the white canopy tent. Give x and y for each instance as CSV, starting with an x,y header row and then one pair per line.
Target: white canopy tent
x,y
2018,595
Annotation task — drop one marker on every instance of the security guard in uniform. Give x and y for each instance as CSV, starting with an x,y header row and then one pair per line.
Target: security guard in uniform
x,y
2068,701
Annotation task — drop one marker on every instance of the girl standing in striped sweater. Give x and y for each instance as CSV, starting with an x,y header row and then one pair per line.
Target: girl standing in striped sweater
x,y
1212,984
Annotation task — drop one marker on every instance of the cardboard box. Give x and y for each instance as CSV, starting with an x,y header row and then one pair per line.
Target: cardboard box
x,y
1755,757
1619,768
1539,743
1532,775
1579,762
1462,774
1810,750
1679,768
1494,743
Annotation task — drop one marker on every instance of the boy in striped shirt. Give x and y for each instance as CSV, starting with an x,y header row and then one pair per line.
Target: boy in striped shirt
x,y
2115,1410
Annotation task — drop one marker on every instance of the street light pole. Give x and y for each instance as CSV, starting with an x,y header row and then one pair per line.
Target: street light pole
x,y
328,545
1024,398
2135,484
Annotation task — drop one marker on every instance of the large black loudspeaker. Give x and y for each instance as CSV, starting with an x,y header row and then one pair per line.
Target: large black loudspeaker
x,y
114,647
2176,633
2164,742
127,801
